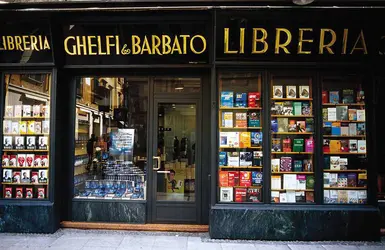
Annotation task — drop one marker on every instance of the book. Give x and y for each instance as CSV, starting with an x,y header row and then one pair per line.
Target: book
x,y
45,127
229,139
353,146
342,180
5,161
362,197
277,108
20,142
233,159
292,126
286,164
298,167
335,163
326,179
18,110
283,124
361,115
246,159
7,142
298,145
309,197
19,192
27,111
9,111
352,114
325,114
309,124
227,119
287,108
290,196
333,196
25,176
256,139
291,91
352,180
290,181
276,144
347,96
297,108
254,195
240,194
43,177
300,196
29,158
352,129
335,146
38,128
306,110
15,128
227,99
344,145
277,91
21,160
326,145
245,178
36,111
301,182
13,160
241,120
308,165
7,175
226,194
16,178
325,96
342,113
343,163
254,119
327,128
309,145
344,129
222,158
282,198
253,99
360,96
334,97
333,180
361,145
301,126
41,193
274,125
240,99
35,177
29,193
342,196
326,196
223,139
43,142
326,162
309,182
361,129
30,127
8,192
256,178
286,143
352,197
304,91
257,158
275,196
332,114
7,126
244,139
45,110
37,161
275,165
22,127
233,177
44,160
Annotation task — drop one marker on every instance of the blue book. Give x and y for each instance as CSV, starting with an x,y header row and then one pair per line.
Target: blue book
x,y
274,125
222,159
256,139
334,97
227,99
256,178
241,100
336,128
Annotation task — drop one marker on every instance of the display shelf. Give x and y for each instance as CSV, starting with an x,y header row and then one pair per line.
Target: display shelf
x,y
25,150
292,153
345,188
25,184
343,153
240,108
243,187
345,171
241,148
278,173
343,104
46,134
240,127
241,167
293,116
25,118
344,136
346,121
292,133
306,190
24,167
292,99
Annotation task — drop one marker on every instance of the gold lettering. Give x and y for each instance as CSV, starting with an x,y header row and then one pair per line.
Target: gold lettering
x,y
26,43
155,45
361,38
302,40
322,44
34,43
226,43
100,51
4,43
345,41
176,46
73,52
259,40
146,46
135,44
108,44
46,44
166,48
278,45
185,43
203,43
91,45
11,45
242,41
18,43
81,44
40,42
117,45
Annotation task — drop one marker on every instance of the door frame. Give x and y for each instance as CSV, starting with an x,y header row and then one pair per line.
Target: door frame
x,y
152,203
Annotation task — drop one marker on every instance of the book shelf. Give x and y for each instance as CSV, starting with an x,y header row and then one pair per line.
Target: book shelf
x,y
26,130
344,141
240,145
292,141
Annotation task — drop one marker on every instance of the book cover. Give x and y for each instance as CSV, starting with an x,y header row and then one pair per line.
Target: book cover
x,y
253,99
30,127
342,180
275,165
292,126
45,127
308,165
227,99
309,145
288,108
342,113
232,139
277,108
275,196
41,193
8,192
27,111
38,129
342,196
254,195
226,194
36,111
7,126
333,180
256,178
309,197
352,129
326,145
353,146
304,91
35,177
15,128
25,176
256,139
352,180
335,163
233,178
222,158
327,128
298,145
290,196
240,99
362,197
246,159
37,161
13,160
286,164
45,110
31,142
344,145
347,96
300,196
326,179
9,111
44,160
19,193
283,124
29,193
227,119
224,139
301,126
29,158
301,182
244,139
352,197
334,97
297,108
257,158
325,114
19,142
286,143
254,119
344,129
240,194
309,182
241,120
21,160
276,144
361,145
277,91
274,125
18,110
282,198
298,167
245,178
309,124
360,129
333,196
306,110
43,142
233,159
43,177
291,91
343,163
7,175
335,146
352,114
16,178
332,114
290,181
326,196
325,96
22,127
361,115
5,161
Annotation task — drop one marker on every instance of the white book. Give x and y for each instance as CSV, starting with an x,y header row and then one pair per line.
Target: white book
x,y
291,91
332,114
275,196
352,129
7,126
290,181
326,196
276,182
282,198
352,196
333,196
232,160
45,127
360,114
27,110
333,180
233,139
223,139
18,110
290,196
227,119
36,110
304,91
226,194
335,163
15,128
326,179
275,165
344,130
343,162
361,144
277,91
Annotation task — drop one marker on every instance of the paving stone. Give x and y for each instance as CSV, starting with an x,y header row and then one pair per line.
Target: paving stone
x,y
104,241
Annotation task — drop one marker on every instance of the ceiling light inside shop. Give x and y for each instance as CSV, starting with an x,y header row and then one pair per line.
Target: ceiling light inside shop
x,y
179,86
302,2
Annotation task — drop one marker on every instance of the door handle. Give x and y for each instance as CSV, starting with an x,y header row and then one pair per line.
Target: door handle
x,y
158,164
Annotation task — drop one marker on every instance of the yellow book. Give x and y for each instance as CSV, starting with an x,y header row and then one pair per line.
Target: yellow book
x,y
22,127
335,146
244,140
31,127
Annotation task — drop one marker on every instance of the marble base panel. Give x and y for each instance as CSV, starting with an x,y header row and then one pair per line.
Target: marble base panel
x,y
109,211
27,219
287,224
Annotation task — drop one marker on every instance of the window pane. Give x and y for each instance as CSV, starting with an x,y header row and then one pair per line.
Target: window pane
x,y
177,85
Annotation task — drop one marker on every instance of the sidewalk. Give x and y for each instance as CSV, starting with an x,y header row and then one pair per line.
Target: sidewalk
x,y
108,240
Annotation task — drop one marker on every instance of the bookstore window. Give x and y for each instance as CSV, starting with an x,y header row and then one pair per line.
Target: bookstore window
x,y
292,140
26,130
344,140
240,138
110,138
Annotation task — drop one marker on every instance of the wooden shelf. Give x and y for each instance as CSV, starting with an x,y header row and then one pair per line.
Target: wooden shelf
x,y
306,190
343,153
241,167
292,133
23,167
26,134
346,188
240,147
25,184
292,153
293,116
344,136
345,171
27,118
240,127
240,108
291,173
345,121
245,187
343,104
292,99
24,150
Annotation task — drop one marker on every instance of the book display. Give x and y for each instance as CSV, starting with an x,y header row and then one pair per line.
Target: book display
x,y
240,138
292,140
344,141
26,133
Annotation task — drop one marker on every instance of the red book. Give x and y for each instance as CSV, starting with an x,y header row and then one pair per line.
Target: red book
x,y
19,192
245,178
286,145
223,179
325,96
240,194
41,193
253,99
233,178
8,193
28,193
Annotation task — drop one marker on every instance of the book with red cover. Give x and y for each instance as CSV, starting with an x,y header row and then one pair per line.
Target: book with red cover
x,y
309,197
245,178
233,177
326,146
240,194
286,143
325,97
223,179
19,192
8,192
253,99
29,193
41,193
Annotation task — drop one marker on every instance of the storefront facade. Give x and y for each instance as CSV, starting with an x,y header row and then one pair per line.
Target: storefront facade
x,y
260,123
